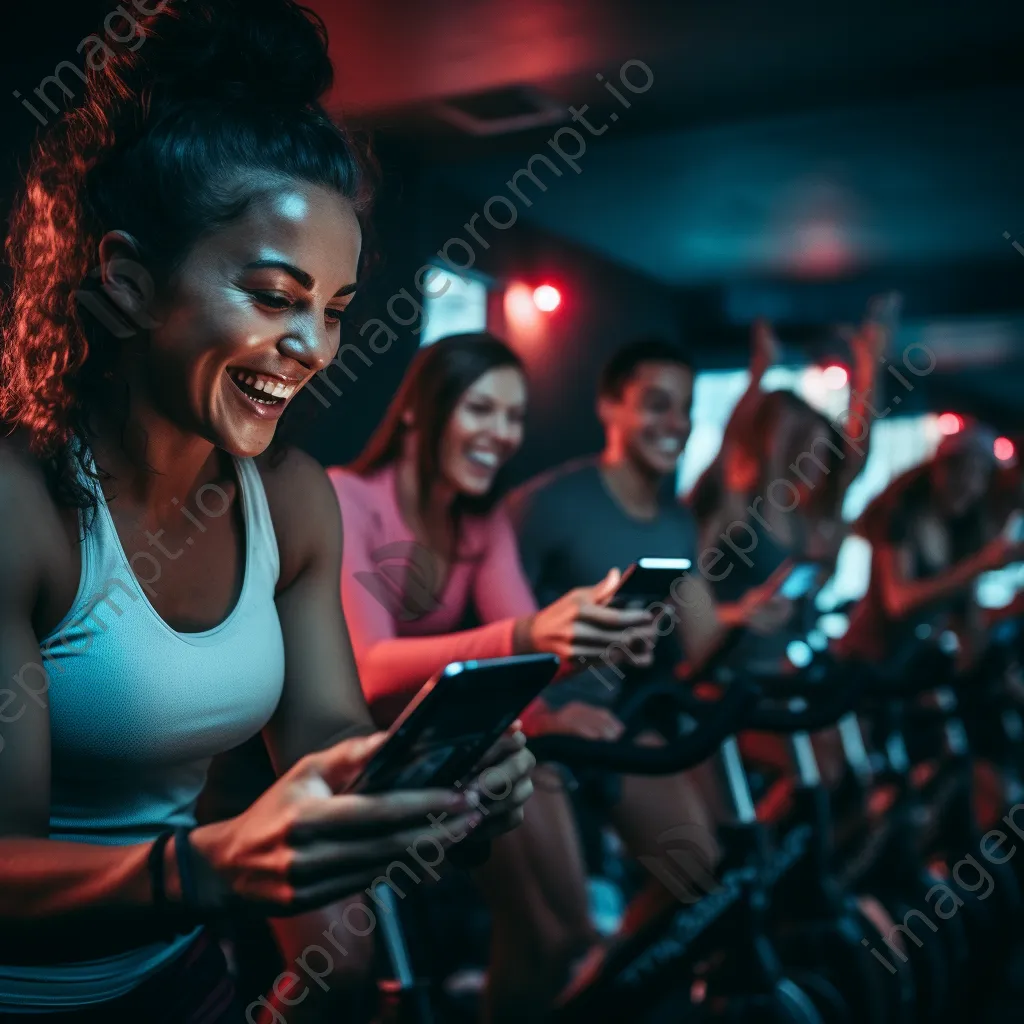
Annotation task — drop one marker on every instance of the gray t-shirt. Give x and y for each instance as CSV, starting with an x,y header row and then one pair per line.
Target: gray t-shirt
x,y
572,530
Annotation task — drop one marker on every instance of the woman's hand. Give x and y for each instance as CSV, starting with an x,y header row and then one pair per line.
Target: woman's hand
x,y
576,719
300,846
579,627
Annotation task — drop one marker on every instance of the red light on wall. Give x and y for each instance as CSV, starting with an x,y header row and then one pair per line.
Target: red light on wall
x,y
519,306
950,423
546,298
1004,449
835,377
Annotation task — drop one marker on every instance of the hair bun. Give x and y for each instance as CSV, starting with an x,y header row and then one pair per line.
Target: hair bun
x,y
272,51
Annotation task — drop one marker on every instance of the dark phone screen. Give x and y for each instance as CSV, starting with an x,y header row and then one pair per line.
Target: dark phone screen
x,y
456,723
645,586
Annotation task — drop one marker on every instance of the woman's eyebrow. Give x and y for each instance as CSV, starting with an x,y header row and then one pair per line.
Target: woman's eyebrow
x,y
306,280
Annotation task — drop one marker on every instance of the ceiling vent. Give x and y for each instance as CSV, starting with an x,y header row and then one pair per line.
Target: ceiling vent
x,y
498,111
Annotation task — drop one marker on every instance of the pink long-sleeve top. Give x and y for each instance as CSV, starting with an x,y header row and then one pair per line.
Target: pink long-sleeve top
x,y
404,621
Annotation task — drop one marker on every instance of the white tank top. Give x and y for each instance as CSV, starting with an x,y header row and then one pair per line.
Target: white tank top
x,y
137,711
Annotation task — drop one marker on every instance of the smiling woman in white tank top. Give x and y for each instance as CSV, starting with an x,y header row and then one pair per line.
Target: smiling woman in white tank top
x,y
137,711
164,594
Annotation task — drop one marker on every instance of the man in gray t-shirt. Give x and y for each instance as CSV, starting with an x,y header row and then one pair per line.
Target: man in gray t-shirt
x,y
576,522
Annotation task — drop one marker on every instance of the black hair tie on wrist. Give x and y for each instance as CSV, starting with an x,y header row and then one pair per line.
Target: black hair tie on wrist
x,y
155,863
183,853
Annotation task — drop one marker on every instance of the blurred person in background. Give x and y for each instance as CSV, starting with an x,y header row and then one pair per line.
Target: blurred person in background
x,y
775,494
776,438
1006,497
613,509
932,533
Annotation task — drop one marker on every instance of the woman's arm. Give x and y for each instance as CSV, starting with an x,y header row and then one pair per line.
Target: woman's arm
x,y
764,353
55,897
903,595
389,665
501,591
867,346
500,587
322,701
297,847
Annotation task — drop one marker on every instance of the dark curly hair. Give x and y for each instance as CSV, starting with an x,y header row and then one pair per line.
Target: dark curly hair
x,y
163,145
620,368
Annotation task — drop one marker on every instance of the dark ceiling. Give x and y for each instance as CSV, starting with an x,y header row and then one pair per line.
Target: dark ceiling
x,y
792,140
922,181
713,60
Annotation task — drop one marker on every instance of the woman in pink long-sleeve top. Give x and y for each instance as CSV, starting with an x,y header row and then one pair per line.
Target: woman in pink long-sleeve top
x,y
405,614
423,546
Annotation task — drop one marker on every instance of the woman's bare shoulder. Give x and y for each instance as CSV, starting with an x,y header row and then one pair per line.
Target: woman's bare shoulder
x,y
303,507
23,490
30,525
296,483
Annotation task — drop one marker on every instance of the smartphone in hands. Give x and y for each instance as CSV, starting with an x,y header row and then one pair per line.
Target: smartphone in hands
x,y
648,580
453,721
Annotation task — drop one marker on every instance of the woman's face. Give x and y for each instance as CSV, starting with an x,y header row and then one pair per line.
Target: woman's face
x,y
252,314
484,431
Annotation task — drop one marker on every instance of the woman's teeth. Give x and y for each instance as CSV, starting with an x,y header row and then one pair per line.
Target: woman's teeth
x,y
264,390
486,459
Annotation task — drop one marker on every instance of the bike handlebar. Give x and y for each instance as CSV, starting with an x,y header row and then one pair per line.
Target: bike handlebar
x,y
626,757
826,690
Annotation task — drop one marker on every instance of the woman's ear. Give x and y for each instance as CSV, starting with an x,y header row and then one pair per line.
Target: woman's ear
x,y
408,420
127,284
